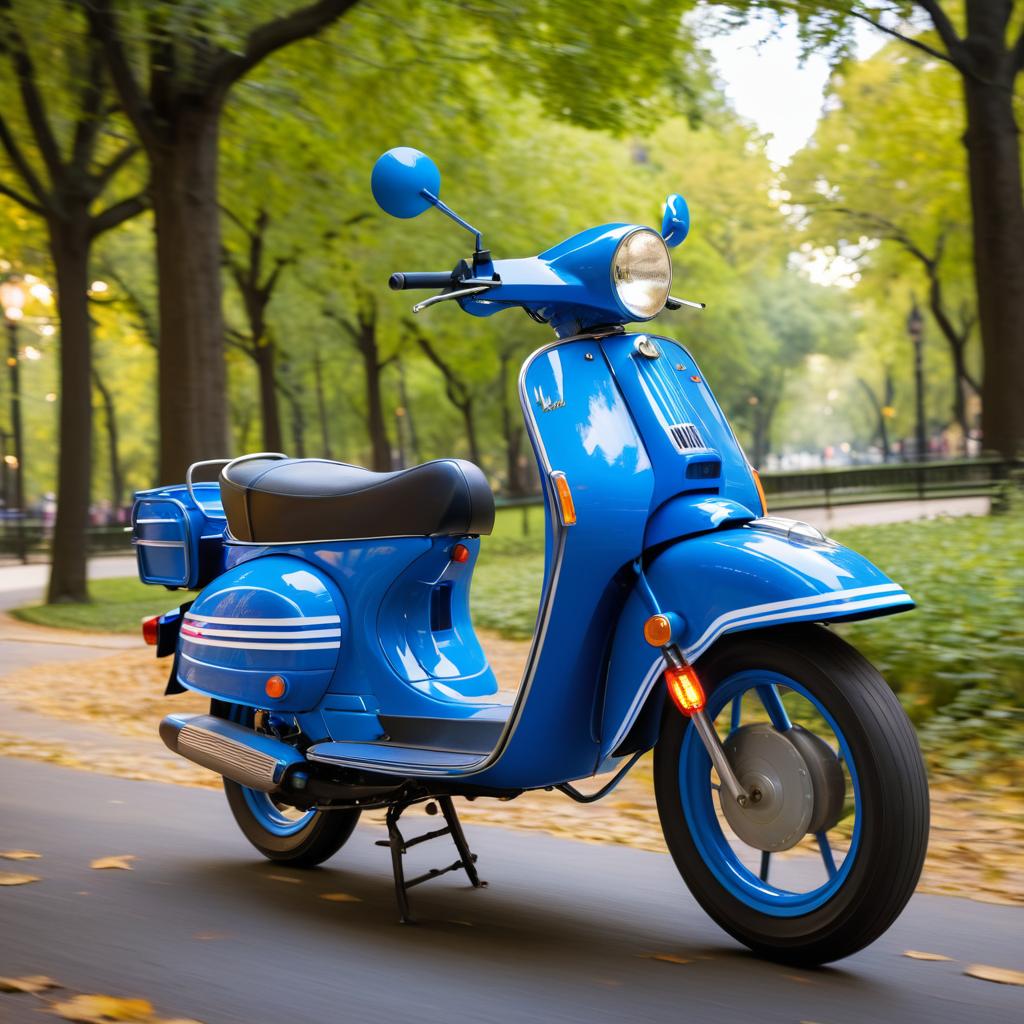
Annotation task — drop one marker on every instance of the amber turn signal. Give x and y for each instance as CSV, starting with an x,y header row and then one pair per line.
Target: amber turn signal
x,y
685,690
658,630
760,491
275,687
565,502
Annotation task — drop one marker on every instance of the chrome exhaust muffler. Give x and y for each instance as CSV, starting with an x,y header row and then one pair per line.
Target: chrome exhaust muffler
x,y
240,754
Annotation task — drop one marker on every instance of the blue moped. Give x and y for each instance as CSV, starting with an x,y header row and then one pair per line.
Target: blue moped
x,y
332,629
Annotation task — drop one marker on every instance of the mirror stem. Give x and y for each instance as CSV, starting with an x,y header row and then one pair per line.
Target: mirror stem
x,y
449,212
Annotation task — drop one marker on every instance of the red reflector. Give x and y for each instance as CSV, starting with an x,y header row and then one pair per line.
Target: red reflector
x,y
685,690
150,629
275,687
460,553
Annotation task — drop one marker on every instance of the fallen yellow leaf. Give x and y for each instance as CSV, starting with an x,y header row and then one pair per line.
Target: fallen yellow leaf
x,y
30,983
20,855
1000,975
100,1009
668,958
120,862
12,878
340,897
916,954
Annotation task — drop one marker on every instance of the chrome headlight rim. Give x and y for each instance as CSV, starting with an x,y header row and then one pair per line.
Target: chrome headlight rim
x,y
634,313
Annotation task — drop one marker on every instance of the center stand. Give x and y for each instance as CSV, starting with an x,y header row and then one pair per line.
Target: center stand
x,y
399,845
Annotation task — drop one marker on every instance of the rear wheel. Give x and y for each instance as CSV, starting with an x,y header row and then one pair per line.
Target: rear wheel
x,y
283,833
811,727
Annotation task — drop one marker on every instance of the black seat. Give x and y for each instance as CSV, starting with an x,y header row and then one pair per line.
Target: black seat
x,y
272,501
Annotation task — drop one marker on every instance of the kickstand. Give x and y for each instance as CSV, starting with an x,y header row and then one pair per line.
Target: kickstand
x,y
399,845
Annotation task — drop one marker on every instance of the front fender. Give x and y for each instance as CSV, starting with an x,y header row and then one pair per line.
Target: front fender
x,y
734,579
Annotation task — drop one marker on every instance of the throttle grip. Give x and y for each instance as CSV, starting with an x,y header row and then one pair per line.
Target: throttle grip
x,y
403,282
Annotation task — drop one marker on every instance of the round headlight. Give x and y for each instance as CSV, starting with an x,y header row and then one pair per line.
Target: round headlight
x,y
642,273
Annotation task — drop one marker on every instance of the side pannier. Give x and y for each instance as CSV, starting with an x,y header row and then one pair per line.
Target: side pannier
x,y
178,533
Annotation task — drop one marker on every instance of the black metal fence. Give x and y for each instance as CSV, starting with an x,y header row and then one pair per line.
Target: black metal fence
x,y
806,488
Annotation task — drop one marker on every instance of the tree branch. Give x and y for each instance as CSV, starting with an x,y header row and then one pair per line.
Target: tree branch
x,y
21,164
90,116
947,33
909,40
117,214
108,170
31,98
265,39
103,25
21,200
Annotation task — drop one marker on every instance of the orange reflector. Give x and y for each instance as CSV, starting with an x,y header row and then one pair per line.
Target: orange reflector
x,y
657,630
275,687
460,553
565,502
760,491
150,628
685,690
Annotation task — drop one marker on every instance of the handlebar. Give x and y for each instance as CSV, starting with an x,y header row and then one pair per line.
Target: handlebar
x,y
403,282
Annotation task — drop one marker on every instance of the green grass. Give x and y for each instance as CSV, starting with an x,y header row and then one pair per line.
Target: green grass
x,y
117,606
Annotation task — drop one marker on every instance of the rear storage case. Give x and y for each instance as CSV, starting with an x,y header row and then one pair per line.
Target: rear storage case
x,y
178,533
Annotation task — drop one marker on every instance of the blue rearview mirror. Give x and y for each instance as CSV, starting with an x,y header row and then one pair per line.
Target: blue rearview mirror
x,y
675,224
405,182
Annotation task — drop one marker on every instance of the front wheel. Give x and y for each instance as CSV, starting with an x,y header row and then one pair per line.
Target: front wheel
x,y
812,729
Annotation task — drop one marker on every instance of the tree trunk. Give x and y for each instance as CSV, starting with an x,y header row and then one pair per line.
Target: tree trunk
x,y
512,431
265,358
69,246
192,384
469,422
110,419
321,405
994,172
375,426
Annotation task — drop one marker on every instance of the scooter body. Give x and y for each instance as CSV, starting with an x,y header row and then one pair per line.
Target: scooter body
x,y
374,639
339,650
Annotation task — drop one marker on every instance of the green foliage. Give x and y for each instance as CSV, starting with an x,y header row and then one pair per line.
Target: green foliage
x,y
117,606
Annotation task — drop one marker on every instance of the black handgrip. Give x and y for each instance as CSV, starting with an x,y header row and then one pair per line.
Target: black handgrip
x,y
403,282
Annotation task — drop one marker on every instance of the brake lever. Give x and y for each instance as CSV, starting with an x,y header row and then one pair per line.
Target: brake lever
x,y
461,293
673,303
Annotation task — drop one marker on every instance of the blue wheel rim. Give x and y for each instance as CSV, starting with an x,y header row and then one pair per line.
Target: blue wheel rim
x,y
268,815
273,818
698,802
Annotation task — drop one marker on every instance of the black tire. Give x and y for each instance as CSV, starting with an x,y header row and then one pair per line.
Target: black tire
x,y
324,835
893,791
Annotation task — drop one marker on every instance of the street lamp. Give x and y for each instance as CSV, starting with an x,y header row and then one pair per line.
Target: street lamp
x,y
915,329
12,300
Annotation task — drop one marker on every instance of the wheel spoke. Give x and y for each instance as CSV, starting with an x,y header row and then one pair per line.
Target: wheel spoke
x,y
772,702
765,861
826,853
737,709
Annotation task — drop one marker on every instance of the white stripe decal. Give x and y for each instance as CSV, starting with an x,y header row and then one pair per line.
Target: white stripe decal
x,y
257,634
239,645
312,620
797,602
693,652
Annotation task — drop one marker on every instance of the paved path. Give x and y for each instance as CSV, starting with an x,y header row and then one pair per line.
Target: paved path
x,y
205,929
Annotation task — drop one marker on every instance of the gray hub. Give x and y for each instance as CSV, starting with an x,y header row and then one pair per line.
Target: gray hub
x,y
779,788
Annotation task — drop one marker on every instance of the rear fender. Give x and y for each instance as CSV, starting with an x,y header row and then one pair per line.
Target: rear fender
x,y
749,577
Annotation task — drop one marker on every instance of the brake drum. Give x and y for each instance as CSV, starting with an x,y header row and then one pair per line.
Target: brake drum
x,y
774,773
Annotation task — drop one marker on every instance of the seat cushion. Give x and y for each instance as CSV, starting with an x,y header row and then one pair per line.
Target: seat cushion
x,y
274,501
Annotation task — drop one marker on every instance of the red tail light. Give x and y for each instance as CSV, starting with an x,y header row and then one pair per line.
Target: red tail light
x,y
150,628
